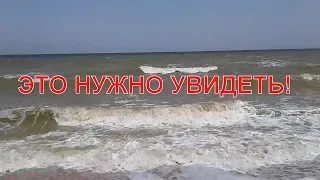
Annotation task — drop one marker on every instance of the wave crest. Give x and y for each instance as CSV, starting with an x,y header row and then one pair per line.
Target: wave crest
x,y
16,76
169,70
189,114
310,77
25,122
41,120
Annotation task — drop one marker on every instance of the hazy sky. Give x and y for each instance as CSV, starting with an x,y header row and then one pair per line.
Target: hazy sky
x,y
79,26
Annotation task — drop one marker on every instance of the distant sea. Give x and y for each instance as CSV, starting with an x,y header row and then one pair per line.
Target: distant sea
x,y
164,136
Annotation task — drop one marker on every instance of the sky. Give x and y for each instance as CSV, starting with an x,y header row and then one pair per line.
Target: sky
x,y
115,26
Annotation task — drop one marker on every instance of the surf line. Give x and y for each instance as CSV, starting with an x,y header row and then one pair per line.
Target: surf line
x,y
154,84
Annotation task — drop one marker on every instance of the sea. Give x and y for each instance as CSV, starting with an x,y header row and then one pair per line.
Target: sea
x,y
161,136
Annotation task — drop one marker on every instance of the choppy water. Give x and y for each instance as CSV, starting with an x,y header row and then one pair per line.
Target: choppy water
x,y
205,136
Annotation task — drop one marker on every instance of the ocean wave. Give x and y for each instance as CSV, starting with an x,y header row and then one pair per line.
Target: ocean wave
x,y
11,76
189,114
169,70
264,62
274,63
16,76
313,65
15,123
136,155
214,113
310,77
229,135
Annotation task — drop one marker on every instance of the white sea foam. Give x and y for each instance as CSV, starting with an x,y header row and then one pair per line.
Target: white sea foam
x,y
125,153
310,77
123,101
217,114
264,62
186,135
11,76
193,114
168,70
210,113
274,63
16,76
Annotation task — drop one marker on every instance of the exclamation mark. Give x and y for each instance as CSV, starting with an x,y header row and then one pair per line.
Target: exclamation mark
x,y
288,79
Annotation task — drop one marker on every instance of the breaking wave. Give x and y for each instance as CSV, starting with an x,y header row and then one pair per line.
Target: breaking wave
x,y
29,121
24,122
169,70
229,135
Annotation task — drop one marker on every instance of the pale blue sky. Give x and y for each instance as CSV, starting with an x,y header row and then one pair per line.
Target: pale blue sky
x,y
83,26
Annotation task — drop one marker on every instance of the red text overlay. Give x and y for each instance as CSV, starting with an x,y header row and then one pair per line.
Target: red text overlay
x,y
191,84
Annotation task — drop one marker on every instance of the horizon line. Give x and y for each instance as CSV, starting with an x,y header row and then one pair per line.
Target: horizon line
x,y
154,52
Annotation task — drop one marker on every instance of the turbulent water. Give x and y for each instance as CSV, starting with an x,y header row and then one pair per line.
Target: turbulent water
x,y
140,135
